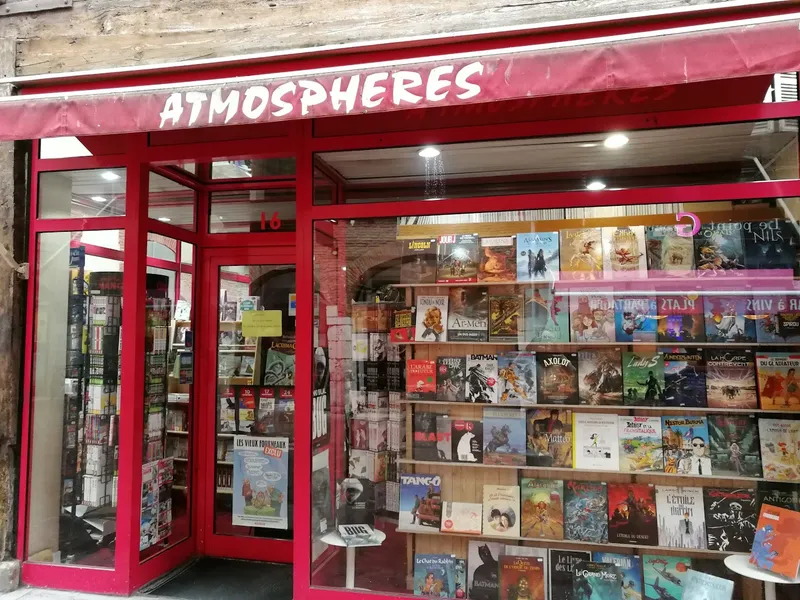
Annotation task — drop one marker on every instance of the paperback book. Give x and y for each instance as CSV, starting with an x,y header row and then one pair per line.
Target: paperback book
x,y
735,447
596,581
779,441
776,549
501,510
467,441
640,448
730,519
632,517
770,244
729,319
451,378
680,319
595,442
462,517
419,261
425,436
669,254
782,495
482,384
468,315
434,575
681,517
517,378
581,254
444,438
562,566
420,503
505,318
457,258
549,435
624,253
546,316
685,441
420,379
537,257
557,378
504,437
600,376
483,569
630,567
778,384
542,508
636,318
522,577
586,511
431,323
643,378
664,576
731,378
592,318
684,378
498,259
719,249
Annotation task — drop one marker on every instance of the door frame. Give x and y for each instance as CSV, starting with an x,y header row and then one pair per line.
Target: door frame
x,y
210,543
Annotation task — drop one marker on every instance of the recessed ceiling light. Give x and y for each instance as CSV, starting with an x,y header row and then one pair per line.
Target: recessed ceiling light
x,y
220,217
164,219
344,268
429,152
99,199
616,140
589,145
595,185
109,175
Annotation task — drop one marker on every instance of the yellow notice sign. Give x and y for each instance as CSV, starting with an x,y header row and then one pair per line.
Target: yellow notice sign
x,y
262,323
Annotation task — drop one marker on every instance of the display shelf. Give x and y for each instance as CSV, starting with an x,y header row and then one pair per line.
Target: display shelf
x,y
231,350
179,487
611,408
178,459
224,490
225,462
176,432
225,435
583,345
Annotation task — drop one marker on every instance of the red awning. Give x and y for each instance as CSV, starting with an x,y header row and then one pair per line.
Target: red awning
x,y
666,57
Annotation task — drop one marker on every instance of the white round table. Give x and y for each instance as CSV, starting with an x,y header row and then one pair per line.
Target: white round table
x,y
334,539
739,563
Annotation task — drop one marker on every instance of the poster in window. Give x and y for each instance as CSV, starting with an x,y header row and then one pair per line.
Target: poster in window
x,y
261,482
321,399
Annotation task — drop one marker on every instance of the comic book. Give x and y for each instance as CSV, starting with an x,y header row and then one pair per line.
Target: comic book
x,y
419,261
425,436
482,384
420,379
557,378
632,517
498,259
467,441
265,415
549,435
643,378
457,258
501,510
624,252
664,576
600,376
684,377
789,320
461,578
595,442
730,518
359,346
685,441
505,318
783,495
359,434
226,423
778,384
542,553
586,511
451,378
766,310
770,244
517,378
522,577
635,318
444,438
504,437
596,581
703,586
483,567
462,517
734,445
434,575
669,254
581,254
731,378
640,447
779,440
775,546
680,319
542,508
420,503
729,319
630,567
562,565
246,396
546,316
537,256
404,323
681,518
592,317
468,315
431,323
279,369
719,249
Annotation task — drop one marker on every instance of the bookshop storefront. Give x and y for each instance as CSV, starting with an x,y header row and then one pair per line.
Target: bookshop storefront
x,y
485,317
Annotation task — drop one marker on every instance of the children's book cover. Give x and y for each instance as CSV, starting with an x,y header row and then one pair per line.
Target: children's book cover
x,y
703,586
517,378
664,576
467,441
669,254
778,384
681,518
468,315
482,384
632,517
483,568
522,578
643,378
595,442
770,244
731,378
537,257
546,316
444,438
596,581
505,318
451,378
680,319
592,318
504,438
457,258
624,253
420,503
419,261
779,439
783,495
431,323
600,376
462,517
730,519
640,447
557,378
776,548
434,575
684,377
549,438
729,319
425,436
765,312
501,510
581,254
586,511
719,249
562,565
542,508
630,566
735,445
498,259
420,379
636,318
685,441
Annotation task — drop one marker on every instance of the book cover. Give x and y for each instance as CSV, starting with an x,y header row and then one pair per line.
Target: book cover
x,y
517,378
636,318
504,436
359,346
640,448
557,378
600,376
483,569
779,439
444,438
562,565
451,378
669,254
765,311
770,244
228,312
537,256
468,315
279,369
420,503
546,316
419,261
514,550
522,578
322,521
735,447
681,517
632,517
729,319
505,318
542,508
680,319
782,495
719,249
730,519
595,442
592,318
226,422
586,511
789,321
434,575
501,510
425,436
630,567
462,517
357,501
685,441
431,323
482,381
624,253
359,434
596,581
420,379
467,439
549,438
778,386
775,546
731,378
664,576
498,259
457,258
403,328
247,408
265,415
684,377
247,303
702,586
643,378
581,254
359,535
461,578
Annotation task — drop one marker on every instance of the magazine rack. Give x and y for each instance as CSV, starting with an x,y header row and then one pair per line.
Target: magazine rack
x,y
741,565
334,539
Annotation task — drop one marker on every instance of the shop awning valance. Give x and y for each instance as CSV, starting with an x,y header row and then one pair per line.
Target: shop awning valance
x,y
665,57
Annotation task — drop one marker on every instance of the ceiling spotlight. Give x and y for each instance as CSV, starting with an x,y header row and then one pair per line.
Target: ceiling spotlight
x,y
109,175
616,140
429,152
164,219
595,185
589,145
344,268
99,199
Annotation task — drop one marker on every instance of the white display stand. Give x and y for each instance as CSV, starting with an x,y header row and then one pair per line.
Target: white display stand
x,y
334,539
739,563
